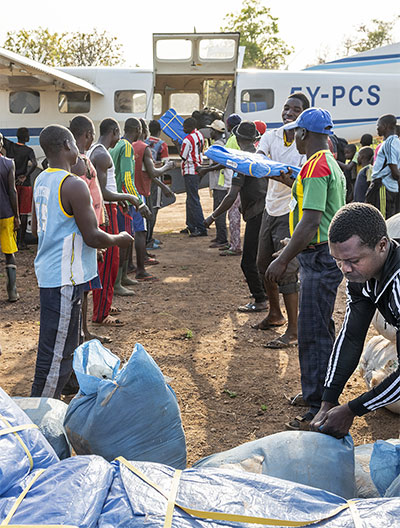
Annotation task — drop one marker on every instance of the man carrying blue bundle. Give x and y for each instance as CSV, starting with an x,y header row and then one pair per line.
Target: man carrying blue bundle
x,y
317,193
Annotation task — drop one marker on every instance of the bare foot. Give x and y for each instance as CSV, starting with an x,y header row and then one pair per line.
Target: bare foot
x,y
268,322
284,341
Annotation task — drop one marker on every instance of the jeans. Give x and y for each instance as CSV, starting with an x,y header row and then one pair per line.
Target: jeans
x,y
249,258
194,212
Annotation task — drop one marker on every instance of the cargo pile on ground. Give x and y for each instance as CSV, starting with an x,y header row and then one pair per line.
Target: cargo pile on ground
x,y
230,389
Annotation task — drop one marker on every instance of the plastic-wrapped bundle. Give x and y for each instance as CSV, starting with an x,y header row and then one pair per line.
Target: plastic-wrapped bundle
x,y
384,465
71,493
23,448
146,494
172,125
131,412
48,414
248,163
291,455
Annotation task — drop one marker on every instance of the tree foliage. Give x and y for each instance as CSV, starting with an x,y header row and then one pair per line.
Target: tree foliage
x,y
379,33
66,49
259,33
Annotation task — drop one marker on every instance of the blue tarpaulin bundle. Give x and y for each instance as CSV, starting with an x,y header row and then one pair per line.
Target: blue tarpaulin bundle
x,y
147,494
71,493
131,412
23,448
248,163
305,457
172,125
384,465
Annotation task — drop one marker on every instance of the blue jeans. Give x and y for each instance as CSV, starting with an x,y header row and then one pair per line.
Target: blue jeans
x,y
194,212
319,281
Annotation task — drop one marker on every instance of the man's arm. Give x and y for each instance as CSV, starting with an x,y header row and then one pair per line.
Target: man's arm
x,y
32,159
301,238
394,169
155,173
75,198
225,205
12,193
332,418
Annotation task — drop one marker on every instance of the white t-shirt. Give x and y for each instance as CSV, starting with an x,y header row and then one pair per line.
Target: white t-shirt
x,y
278,195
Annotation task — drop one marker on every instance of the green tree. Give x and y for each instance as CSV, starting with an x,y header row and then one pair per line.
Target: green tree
x,y
259,33
379,33
65,49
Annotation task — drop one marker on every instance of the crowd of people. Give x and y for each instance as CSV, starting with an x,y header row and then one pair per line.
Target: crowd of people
x,y
95,205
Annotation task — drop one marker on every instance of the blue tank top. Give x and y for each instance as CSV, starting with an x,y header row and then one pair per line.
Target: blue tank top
x,y
62,258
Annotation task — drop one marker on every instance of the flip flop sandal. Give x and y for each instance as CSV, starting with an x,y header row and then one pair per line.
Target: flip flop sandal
x,y
110,321
148,278
229,253
251,307
114,310
278,343
297,400
300,423
151,262
268,327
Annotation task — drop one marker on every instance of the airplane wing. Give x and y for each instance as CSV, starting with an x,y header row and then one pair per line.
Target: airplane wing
x,y
20,73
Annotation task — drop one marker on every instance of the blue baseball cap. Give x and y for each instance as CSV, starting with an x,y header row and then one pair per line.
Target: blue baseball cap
x,y
313,119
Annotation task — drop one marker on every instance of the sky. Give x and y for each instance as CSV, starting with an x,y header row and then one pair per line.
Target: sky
x,y
306,27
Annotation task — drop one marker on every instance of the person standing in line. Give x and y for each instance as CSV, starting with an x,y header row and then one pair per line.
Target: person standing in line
x,y
217,129
65,223
25,164
225,179
108,267
317,193
9,221
383,192
279,145
145,174
252,196
191,153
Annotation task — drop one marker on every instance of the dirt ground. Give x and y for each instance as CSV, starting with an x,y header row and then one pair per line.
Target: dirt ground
x,y
230,388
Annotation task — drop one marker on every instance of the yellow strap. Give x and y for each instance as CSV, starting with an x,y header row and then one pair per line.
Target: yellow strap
x,y
218,516
24,447
17,428
172,497
20,498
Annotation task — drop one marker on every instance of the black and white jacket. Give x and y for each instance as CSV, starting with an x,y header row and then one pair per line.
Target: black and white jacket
x,y
362,301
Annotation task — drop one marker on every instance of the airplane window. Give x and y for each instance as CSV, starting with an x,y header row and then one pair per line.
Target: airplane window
x,y
157,104
185,103
257,100
174,49
130,101
74,102
222,49
24,102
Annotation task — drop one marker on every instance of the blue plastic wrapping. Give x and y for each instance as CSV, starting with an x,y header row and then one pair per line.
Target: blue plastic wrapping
x,y
48,414
71,492
134,414
134,503
23,451
384,465
172,125
305,457
248,163
394,488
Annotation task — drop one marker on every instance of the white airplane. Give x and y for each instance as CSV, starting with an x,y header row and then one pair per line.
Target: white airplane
x,y
356,90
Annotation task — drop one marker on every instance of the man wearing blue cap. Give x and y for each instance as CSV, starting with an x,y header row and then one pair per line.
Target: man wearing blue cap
x,y
317,193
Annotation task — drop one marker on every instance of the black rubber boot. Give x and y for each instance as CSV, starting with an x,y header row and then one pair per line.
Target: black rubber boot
x,y
11,270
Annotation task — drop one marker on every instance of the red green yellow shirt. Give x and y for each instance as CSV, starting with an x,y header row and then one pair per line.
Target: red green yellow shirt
x,y
320,186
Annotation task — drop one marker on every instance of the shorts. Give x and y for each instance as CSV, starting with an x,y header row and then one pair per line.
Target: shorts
x,y
125,220
138,222
25,195
274,229
8,237
94,284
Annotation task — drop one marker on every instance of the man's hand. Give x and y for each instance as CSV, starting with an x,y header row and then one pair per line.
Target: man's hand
x,y
124,206
209,220
276,270
144,211
336,421
285,177
124,239
100,255
19,180
17,223
321,415
169,165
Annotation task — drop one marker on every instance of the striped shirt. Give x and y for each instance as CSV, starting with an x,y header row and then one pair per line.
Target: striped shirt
x,y
362,301
192,152
320,186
